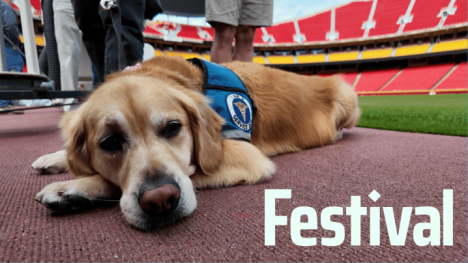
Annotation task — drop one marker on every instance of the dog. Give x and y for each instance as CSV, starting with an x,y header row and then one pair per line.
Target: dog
x,y
148,137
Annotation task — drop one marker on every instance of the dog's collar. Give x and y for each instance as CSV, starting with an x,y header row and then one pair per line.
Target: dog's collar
x,y
229,98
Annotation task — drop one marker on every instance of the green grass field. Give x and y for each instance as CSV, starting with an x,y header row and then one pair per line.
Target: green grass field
x,y
438,114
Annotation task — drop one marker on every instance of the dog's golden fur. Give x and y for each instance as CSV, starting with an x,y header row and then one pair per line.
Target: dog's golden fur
x,y
294,112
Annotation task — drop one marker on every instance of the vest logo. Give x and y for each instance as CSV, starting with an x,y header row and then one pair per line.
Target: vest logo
x,y
240,110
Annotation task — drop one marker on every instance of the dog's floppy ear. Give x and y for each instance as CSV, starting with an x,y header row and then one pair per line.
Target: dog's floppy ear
x,y
74,137
206,129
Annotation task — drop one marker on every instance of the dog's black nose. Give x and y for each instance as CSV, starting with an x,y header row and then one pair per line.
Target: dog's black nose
x,y
160,200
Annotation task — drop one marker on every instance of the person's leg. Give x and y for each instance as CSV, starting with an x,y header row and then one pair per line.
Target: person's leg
x,y
68,37
221,50
254,13
223,15
133,25
243,50
131,35
94,34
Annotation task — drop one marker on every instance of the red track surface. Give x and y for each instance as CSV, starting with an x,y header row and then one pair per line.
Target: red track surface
x,y
406,169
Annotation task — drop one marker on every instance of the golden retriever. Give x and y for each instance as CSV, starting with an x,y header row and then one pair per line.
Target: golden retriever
x,y
149,137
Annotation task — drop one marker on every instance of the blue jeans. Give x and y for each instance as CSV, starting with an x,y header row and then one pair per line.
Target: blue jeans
x,y
14,61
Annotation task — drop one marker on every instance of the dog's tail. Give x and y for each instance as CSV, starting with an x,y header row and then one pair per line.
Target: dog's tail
x,y
347,111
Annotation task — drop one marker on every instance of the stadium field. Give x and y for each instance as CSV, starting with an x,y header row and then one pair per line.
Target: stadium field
x,y
438,114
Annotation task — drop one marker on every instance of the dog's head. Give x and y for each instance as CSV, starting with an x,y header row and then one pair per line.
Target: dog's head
x,y
147,131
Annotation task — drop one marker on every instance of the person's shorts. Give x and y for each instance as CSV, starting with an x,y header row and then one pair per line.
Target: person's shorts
x,y
256,13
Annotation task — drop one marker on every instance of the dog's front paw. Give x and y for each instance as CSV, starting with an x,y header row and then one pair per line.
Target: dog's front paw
x,y
339,135
54,163
57,197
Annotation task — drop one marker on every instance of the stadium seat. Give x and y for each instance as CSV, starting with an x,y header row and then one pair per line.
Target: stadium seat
x,y
187,31
378,53
349,19
280,59
311,58
451,45
418,78
386,16
343,56
412,50
283,33
456,80
460,13
158,52
191,32
207,57
258,38
149,30
425,14
39,40
374,80
315,28
185,55
259,60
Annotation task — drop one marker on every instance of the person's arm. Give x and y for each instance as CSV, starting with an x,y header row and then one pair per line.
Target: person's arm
x,y
10,24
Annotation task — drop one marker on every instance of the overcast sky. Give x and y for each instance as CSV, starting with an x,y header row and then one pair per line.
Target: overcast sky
x,y
283,10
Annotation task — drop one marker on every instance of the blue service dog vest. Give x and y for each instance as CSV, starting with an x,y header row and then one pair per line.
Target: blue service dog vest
x,y
229,98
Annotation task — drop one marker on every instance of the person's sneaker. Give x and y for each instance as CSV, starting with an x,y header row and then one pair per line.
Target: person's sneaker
x,y
18,112
10,107
3,109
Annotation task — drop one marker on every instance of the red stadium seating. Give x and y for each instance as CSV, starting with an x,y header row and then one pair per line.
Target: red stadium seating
x,y
258,36
386,16
188,32
315,28
374,80
210,31
460,14
349,19
425,14
150,30
36,4
456,80
419,78
283,33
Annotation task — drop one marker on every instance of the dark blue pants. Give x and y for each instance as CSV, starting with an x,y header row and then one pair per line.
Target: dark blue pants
x,y
14,61
100,38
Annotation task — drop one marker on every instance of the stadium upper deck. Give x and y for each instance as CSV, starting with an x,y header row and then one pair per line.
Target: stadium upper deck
x,y
355,20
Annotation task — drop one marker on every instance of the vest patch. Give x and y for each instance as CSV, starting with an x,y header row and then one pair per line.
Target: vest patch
x,y
240,110
229,98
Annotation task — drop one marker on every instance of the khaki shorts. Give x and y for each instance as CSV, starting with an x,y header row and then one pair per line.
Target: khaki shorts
x,y
240,12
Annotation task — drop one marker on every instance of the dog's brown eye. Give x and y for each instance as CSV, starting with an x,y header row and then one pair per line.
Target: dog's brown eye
x,y
171,129
112,143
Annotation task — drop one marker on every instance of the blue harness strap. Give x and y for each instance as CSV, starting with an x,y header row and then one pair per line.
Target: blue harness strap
x,y
229,98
